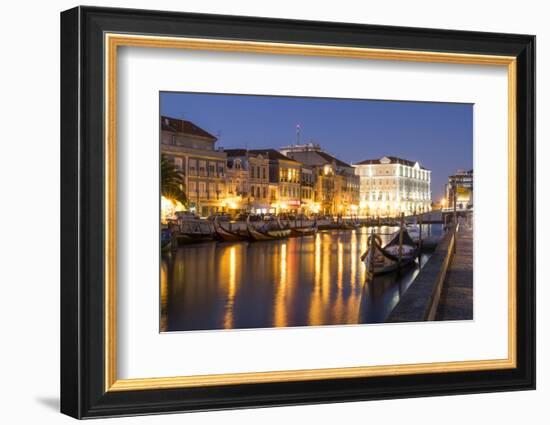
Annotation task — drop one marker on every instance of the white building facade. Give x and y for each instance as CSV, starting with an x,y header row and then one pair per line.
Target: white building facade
x,y
390,186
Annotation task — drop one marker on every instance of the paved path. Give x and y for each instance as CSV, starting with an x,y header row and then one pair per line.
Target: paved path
x,y
456,301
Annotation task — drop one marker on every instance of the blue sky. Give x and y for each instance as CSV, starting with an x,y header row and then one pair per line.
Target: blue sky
x,y
438,135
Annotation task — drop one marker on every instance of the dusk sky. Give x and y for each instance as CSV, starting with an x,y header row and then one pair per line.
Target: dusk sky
x,y
438,135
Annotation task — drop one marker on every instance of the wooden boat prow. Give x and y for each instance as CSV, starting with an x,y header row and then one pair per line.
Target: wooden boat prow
x,y
226,234
268,234
304,230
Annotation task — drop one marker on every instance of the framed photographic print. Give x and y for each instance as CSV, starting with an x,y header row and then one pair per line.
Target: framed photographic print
x,y
261,212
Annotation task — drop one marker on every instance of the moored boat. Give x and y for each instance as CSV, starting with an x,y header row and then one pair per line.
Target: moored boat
x,y
304,230
228,235
194,232
267,231
394,255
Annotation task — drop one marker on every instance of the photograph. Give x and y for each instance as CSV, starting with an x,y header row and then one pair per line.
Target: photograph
x,y
285,211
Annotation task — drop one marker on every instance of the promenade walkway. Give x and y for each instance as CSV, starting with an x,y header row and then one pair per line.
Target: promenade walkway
x,y
456,301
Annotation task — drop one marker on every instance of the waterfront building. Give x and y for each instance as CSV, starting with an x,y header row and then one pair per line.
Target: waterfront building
x,y
236,184
336,185
247,181
193,151
285,173
390,186
462,184
307,191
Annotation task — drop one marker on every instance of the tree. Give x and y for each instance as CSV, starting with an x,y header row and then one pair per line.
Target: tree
x,y
172,183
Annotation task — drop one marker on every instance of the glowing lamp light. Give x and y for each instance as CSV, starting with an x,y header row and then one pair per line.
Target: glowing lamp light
x,y
169,207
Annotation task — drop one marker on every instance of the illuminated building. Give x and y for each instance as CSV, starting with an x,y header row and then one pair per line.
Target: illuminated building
x,y
463,181
248,181
285,172
335,184
307,191
192,150
390,186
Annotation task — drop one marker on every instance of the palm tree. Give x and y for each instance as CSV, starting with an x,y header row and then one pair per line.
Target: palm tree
x,y
172,184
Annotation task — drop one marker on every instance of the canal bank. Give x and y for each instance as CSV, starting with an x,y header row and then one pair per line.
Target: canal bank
x,y
443,290
456,301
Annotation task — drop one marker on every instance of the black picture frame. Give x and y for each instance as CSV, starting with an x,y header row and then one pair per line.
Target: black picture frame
x,y
82,218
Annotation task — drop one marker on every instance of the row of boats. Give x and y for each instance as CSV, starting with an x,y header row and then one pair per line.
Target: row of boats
x,y
199,231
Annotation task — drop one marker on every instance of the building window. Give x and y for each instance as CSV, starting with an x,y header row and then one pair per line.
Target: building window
x,y
192,167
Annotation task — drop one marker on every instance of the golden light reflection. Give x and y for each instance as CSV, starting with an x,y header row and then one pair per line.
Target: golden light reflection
x,y
231,289
325,274
338,309
316,303
163,298
340,280
317,277
280,319
363,243
353,258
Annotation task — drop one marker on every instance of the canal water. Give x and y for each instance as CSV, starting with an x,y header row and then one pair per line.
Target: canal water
x,y
308,281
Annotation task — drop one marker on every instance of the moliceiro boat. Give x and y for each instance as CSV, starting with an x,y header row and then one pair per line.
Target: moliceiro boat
x,y
227,234
195,231
304,230
379,260
267,231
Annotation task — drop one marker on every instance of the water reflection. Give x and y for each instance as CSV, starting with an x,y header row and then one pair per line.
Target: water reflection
x,y
313,280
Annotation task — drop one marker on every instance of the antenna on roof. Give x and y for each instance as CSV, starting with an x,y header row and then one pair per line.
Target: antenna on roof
x,y
297,134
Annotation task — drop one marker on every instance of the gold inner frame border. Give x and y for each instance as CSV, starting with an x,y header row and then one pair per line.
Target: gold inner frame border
x,y
113,40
